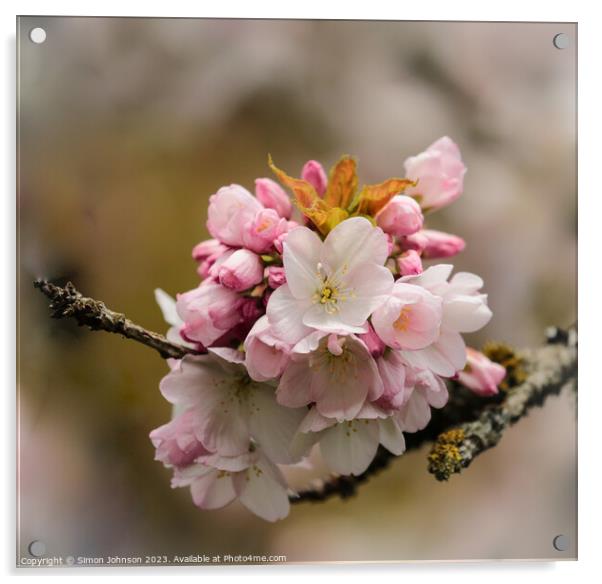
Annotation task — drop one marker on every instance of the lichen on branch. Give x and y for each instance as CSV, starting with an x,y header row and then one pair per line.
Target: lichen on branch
x,y
549,369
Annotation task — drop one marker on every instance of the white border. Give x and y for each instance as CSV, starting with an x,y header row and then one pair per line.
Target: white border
x,y
590,102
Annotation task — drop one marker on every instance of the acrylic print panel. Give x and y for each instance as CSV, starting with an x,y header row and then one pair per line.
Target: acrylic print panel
x,y
464,134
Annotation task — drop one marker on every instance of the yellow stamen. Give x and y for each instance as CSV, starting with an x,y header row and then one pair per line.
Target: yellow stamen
x,y
327,295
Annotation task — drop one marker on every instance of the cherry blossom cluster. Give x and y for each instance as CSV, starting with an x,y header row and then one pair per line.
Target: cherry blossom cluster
x,y
317,326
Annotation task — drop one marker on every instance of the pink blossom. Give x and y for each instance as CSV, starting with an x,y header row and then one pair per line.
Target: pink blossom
x,y
215,481
426,390
348,447
481,375
339,375
313,173
231,210
437,244
241,271
208,312
272,195
231,410
265,354
464,310
176,442
409,263
260,233
400,216
332,285
276,276
439,171
410,318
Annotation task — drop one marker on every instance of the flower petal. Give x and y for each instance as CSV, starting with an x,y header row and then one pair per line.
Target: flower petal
x,y
445,357
273,426
310,342
466,283
302,249
318,317
391,436
213,490
466,314
431,278
228,463
416,413
314,421
370,284
285,313
181,385
261,494
349,447
294,389
167,304
353,242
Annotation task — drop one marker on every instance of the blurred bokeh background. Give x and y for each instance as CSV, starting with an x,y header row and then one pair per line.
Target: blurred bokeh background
x,y
127,126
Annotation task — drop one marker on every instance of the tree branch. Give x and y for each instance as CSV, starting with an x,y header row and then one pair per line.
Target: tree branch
x,y
550,369
68,302
467,426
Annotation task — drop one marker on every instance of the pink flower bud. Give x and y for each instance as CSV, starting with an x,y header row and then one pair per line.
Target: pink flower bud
x,y
481,375
279,241
208,312
272,195
390,244
314,174
250,310
373,342
400,216
230,210
417,241
276,276
207,253
260,233
241,271
439,171
207,248
409,263
441,245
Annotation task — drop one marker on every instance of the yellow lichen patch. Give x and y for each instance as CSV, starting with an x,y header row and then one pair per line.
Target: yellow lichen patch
x,y
453,436
445,457
514,364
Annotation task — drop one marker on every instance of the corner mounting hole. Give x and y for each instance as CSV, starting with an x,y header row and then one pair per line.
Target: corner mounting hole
x,y
561,543
37,548
561,40
37,35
